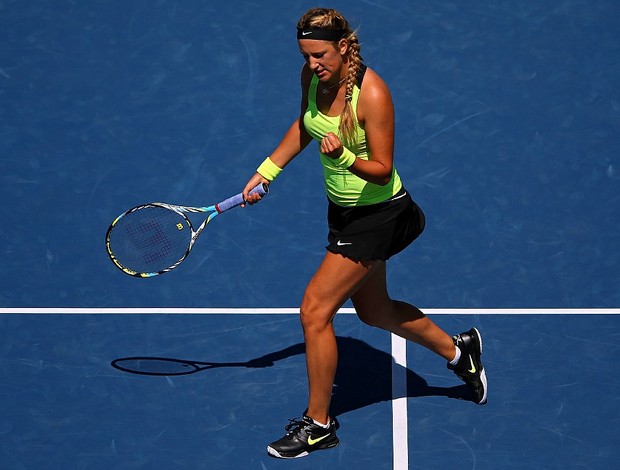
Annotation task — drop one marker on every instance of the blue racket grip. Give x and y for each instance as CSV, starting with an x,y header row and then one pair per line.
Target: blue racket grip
x,y
262,189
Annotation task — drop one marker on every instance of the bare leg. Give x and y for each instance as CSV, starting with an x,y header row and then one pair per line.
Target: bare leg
x,y
375,307
335,281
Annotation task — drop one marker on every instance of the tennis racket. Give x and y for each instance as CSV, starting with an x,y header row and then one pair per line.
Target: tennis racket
x,y
155,238
163,366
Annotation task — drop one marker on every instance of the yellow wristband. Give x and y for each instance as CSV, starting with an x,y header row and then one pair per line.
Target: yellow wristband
x,y
268,169
345,160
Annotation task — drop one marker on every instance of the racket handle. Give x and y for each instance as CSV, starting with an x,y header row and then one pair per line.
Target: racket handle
x,y
237,200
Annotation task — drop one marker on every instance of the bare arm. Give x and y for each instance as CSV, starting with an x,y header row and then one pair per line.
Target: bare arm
x,y
294,141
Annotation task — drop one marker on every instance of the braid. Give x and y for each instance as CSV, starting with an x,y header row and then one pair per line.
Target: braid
x,y
331,19
348,122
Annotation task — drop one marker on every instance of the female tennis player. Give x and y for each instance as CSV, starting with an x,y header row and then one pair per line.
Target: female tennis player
x,y
347,108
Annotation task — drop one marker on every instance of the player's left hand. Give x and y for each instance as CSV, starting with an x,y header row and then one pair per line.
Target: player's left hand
x,y
331,145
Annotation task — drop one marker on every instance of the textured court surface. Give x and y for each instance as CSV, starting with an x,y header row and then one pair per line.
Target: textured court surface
x,y
552,403
508,118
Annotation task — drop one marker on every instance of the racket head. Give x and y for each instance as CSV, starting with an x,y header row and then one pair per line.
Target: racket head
x,y
159,366
149,239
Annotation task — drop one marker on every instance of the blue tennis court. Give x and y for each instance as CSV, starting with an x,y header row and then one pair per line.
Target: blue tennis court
x,y
507,118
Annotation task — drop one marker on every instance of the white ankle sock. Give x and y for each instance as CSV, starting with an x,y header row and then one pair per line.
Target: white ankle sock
x,y
324,426
457,356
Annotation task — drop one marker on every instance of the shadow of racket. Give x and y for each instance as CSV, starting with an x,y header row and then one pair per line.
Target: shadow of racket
x,y
165,366
162,366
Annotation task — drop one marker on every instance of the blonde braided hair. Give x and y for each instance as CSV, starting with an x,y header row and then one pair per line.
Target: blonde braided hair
x,y
326,18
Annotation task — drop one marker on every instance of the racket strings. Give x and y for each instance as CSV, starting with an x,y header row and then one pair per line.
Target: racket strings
x,y
150,239
147,235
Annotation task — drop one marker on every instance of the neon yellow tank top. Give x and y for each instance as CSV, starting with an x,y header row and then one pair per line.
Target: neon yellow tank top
x,y
343,187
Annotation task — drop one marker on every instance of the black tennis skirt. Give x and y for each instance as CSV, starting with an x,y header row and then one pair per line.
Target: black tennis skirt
x,y
377,231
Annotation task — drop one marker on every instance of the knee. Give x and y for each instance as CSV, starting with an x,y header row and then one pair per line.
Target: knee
x,y
315,316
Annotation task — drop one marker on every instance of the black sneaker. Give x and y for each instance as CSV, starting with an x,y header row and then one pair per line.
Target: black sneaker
x,y
303,437
469,368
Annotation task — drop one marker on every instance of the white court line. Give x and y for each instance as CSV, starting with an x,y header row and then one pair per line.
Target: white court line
x,y
288,311
400,444
399,346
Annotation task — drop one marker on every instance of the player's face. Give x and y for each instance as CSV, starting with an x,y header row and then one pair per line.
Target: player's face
x,y
324,58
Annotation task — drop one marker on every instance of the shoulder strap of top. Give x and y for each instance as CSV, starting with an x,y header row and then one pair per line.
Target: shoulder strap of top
x,y
314,82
